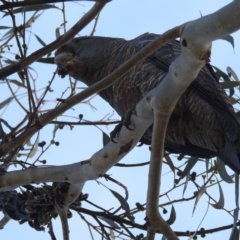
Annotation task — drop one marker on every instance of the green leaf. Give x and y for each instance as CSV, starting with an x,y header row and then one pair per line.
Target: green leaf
x,y
199,195
172,217
170,163
231,73
185,185
220,74
109,222
5,102
190,164
20,74
233,100
105,138
229,39
57,32
32,8
4,27
220,203
40,40
223,173
9,61
49,60
8,34
124,204
227,85
19,84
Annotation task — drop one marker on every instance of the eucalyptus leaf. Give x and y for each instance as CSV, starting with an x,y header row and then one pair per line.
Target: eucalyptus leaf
x,y
199,195
227,85
109,222
185,184
105,138
19,84
7,35
190,164
124,204
232,73
172,217
222,75
4,27
170,163
57,32
5,102
40,40
223,173
220,203
32,8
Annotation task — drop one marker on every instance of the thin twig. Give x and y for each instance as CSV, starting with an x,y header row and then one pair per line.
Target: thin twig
x,y
84,123
104,83
8,70
95,24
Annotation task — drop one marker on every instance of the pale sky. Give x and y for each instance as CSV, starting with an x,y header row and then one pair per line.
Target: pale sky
x,y
123,19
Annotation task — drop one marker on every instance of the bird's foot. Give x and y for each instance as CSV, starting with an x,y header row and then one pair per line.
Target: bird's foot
x,y
125,121
114,133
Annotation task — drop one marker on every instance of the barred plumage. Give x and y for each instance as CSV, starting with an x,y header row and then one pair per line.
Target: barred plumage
x,y
203,123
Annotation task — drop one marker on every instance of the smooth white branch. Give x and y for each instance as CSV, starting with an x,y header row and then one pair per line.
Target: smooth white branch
x,y
180,75
90,169
196,40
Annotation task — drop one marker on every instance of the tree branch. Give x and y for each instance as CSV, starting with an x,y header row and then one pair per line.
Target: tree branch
x,y
36,2
104,83
87,18
196,39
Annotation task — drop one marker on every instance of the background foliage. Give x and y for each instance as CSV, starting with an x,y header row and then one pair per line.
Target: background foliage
x,y
23,32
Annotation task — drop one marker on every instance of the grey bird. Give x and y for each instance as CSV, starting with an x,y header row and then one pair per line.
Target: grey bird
x,y
203,123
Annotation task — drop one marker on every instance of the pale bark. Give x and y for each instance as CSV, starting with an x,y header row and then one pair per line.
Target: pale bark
x,y
196,39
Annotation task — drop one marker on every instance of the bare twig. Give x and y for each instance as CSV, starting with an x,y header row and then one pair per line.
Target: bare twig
x,y
6,71
95,25
84,123
104,83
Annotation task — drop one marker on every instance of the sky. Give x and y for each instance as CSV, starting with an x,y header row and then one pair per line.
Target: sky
x,y
123,19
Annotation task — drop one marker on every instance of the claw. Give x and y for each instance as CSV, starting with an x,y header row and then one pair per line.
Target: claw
x,y
116,131
126,120
128,128
111,137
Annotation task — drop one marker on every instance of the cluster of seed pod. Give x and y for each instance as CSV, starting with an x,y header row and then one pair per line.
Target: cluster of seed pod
x,y
35,205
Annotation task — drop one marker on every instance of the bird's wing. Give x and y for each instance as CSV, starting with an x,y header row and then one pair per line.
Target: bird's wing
x,y
163,58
